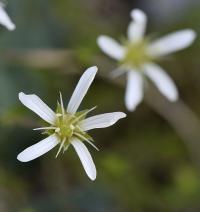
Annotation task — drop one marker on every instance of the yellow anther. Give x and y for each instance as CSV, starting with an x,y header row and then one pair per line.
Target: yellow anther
x,y
58,114
57,130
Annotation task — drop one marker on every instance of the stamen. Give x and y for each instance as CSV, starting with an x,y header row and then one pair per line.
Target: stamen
x,y
83,114
45,128
72,127
61,145
66,147
89,142
57,130
78,128
85,139
58,114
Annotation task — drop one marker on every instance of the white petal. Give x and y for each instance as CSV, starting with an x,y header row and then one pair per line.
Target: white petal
x,y
172,43
134,90
101,121
35,104
161,79
138,15
85,158
5,20
81,89
137,27
111,47
38,149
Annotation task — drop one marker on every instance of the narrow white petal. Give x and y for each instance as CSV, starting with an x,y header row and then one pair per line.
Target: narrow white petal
x,y
85,158
38,149
81,89
161,79
35,104
172,43
101,121
5,20
134,90
111,47
137,27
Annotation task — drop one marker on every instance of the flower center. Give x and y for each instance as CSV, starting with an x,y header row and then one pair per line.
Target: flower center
x,y
65,126
136,53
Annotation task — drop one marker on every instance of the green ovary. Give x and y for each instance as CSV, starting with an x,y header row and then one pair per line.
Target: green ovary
x,y
136,54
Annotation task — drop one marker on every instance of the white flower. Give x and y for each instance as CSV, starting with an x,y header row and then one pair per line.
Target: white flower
x,y
68,126
5,20
138,55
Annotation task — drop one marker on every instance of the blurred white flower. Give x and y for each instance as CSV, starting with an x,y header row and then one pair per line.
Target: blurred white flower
x,y
5,19
138,55
68,126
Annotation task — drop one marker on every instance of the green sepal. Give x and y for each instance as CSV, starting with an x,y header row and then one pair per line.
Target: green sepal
x,y
48,132
59,108
82,114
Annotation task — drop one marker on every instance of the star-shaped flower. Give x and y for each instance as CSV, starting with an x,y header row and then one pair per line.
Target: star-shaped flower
x,y
67,126
138,55
5,19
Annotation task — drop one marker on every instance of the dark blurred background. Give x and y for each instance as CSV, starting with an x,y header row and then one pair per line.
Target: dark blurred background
x,y
143,164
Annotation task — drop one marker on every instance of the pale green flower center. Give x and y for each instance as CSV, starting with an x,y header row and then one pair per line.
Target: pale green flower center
x,y
67,126
136,54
